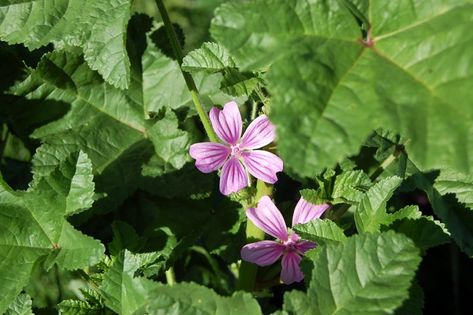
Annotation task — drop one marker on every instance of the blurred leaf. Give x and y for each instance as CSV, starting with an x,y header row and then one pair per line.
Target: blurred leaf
x,y
78,307
35,227
190,298
20,306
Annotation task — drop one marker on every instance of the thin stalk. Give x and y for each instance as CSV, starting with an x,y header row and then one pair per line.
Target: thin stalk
x,y
170,276
177,50
390,159
248,271
254,109
262,98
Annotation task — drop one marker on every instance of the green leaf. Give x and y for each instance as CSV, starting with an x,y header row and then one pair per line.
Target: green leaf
x,y
459,184
164,85
350,186
108,124
408,212
20,306
367,274
190,298
211,57
123,293
214,58
35,227
370,213
426,232
320,231
328,84
171,144
414,305
124,237
457,219
78,307
98,27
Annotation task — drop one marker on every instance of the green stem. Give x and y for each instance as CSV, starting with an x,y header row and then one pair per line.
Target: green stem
x,y
248,271
170,276
176,47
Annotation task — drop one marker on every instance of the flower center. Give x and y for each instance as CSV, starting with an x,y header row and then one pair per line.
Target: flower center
x,y
291,243
236,150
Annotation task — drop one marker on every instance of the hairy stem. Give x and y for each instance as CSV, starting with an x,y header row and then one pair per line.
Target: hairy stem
x,y
247,273
177,50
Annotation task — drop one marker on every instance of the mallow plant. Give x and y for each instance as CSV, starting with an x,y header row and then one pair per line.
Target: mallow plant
x,y
236,157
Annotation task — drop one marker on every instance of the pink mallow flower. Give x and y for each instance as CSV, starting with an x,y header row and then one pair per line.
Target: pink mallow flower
x,y
237,154
288,244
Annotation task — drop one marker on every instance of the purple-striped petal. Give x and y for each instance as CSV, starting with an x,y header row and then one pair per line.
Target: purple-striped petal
x,y
304,246
259,133
291,271
233,177
263,165
227,122
306,211
209,156
268,218
263,253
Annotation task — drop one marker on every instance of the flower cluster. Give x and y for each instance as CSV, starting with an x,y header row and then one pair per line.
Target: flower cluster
x,y
239,155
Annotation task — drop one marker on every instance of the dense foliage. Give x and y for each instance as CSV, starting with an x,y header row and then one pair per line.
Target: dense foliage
x,y
102,208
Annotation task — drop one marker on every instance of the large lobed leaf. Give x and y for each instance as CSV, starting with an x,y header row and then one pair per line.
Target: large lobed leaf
x,y
331,87
367,274
108,124
98,27
34,225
